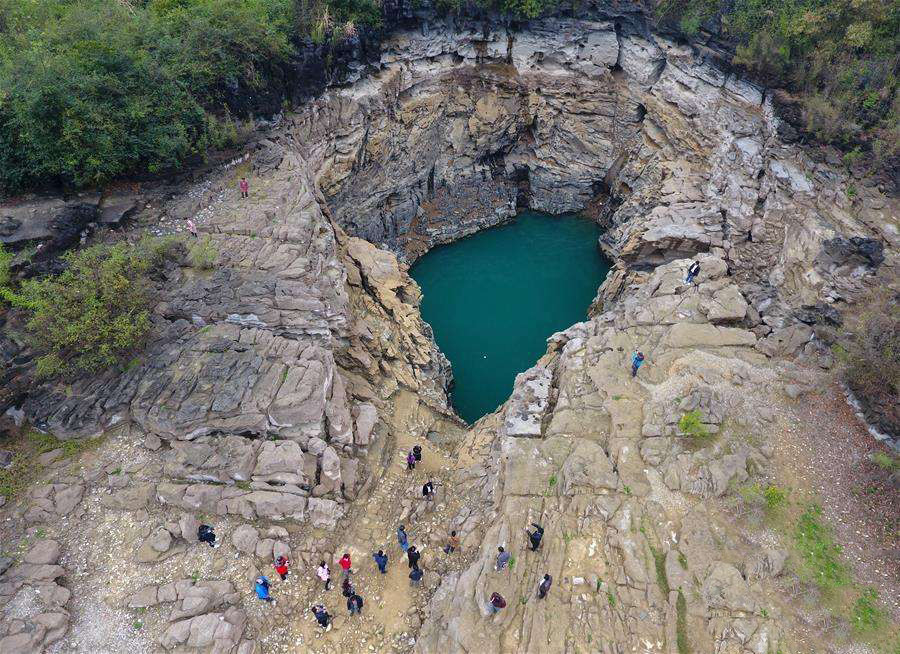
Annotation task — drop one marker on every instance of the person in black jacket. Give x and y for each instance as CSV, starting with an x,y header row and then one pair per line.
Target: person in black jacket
x,y
415,576
545,586
322,616
535,536
354,604
428,490
413,555
205,534
692,272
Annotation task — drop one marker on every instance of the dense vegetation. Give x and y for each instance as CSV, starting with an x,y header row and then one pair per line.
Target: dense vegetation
x,y
95,313
95,89
839,58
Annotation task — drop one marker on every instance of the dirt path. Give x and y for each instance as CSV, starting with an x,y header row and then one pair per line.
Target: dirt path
x,y
393,610
826,451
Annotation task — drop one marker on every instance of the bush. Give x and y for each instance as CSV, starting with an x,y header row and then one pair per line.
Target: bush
x,y
871,361
203,254
691,424
94,89
867,614
95,313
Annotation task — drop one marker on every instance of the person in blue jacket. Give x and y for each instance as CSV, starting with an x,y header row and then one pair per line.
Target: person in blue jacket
x,y
381,560
402,538
262,589
636,360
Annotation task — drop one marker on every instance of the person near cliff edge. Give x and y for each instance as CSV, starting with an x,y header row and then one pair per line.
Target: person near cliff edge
x,y
636,360
244,185
535,536
545,586
192,228
402,538
381,560
692,272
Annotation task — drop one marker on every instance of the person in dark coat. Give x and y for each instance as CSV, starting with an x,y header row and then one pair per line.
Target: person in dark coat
x,y
322,616
545,586
205,534
692,272
347,587
417,453
428,490
502,558
354,604
413,555
496,603
381,560
535,536
402,538
415,576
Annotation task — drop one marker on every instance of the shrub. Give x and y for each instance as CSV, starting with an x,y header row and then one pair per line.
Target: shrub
x,y
203,254
871,365
7,295
681,638
691,424
92,315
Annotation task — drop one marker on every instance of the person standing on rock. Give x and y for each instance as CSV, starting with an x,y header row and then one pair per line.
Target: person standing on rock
x,y
244,185
322,616
205,534
381,560
535,536
692,272
324,574
354,604
262,589
502,558
545,586
636,360
192,228
452,543
417,453
413,554
410,461
345,564
428,490
415,577
402,538
281,567
496,603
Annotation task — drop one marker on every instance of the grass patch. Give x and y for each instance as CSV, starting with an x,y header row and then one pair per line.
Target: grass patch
x,y
659,561
819,553
27,448
553,481
681,639
867,616
203,254
682,561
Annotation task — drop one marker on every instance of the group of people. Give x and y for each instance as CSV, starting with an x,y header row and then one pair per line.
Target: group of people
x,y
535,538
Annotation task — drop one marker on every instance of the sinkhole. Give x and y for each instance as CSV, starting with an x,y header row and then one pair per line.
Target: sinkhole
x,y
494,298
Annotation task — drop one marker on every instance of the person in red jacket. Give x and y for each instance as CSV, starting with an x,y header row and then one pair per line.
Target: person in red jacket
x,y
281,567
345,564
245,187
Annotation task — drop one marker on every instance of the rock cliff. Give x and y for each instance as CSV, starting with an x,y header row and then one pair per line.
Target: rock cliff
x,y
281,388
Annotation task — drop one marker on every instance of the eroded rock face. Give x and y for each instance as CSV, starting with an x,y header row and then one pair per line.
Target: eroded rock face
x,y
269,380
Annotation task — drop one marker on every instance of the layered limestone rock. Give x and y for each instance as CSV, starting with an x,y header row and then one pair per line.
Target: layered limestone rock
x,y
269,391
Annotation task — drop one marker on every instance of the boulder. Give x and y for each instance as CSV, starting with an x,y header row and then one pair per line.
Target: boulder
x,y
43,552
245,538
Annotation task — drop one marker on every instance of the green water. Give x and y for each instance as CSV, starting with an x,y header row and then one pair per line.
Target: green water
x,y
495,297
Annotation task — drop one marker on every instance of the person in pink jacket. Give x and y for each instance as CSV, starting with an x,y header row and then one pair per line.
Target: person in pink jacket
x,y
245,187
